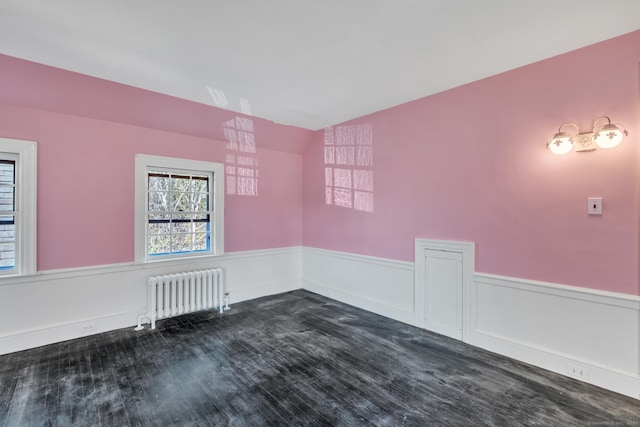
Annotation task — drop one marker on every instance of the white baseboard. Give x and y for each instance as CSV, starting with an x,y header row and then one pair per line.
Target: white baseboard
x,y
54,306
626,383
22,340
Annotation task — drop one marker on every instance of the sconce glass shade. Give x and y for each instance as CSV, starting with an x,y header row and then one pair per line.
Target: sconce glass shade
x,y
608,136
561,143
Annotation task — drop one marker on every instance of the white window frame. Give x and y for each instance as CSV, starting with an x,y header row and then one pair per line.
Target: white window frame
x,y
25,155
145,162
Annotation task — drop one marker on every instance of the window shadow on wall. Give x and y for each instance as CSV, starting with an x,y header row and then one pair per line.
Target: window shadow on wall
x,y
241,160
348,172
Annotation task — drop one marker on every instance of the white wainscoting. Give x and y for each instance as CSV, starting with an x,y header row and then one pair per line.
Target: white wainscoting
x,y
552,326
559,328
379,285
55,306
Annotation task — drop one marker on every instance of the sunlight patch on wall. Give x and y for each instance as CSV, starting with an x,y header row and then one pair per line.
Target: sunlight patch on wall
x,y
241,162
218,97
348,160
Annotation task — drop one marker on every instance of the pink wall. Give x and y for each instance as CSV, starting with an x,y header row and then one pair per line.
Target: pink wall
x,y
29,84
470,164
524,207
86,150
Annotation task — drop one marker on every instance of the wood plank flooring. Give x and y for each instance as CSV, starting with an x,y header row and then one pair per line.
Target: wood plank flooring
x,y
290,359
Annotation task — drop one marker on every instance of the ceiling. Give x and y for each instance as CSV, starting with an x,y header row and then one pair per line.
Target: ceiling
x,y
307,63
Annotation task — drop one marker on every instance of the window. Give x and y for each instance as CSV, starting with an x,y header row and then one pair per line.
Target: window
x,y
17,207
179,208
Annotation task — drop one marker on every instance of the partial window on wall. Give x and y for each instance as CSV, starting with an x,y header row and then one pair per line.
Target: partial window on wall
x,y
18,168
179,208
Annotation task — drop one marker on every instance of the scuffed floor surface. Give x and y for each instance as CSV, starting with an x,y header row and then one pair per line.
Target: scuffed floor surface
x,y
290,359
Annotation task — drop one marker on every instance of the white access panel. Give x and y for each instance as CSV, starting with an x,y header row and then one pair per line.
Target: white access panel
x,y
443,296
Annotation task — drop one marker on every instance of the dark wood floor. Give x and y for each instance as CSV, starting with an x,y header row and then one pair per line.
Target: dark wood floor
x,y
290,359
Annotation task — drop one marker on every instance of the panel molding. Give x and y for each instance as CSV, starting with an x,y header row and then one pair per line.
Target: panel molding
x,y
467,249
567,291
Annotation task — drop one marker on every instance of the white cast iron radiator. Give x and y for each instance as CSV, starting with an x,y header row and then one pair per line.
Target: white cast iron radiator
x,y
174,294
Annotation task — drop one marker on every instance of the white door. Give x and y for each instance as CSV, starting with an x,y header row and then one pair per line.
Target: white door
x,y
443,296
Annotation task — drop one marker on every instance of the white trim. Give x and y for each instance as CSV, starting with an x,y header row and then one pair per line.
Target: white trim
x,y
26,203
367,259
574,292
174,263
467,249
145,161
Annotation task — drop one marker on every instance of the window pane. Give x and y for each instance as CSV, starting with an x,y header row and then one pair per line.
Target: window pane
x,y
181,243
7,246
7,232
158,201
7,255
155,229
159,245
200,201
181,227
201,241
158,181
7,188
7,171
199,185
200,227
180,202
180,183
7,198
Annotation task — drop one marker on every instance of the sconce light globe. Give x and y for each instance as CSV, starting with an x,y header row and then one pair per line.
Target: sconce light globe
x,y
608,136
561,143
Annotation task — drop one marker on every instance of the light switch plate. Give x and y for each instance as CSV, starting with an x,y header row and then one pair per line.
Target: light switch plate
x,y
594,206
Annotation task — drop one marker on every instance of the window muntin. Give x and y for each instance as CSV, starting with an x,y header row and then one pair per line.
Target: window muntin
x,y
179,212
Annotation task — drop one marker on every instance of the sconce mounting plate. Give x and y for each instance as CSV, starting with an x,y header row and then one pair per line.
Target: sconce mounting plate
x,y
584,142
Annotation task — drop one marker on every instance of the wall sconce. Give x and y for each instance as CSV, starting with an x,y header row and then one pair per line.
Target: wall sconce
x,y
604,136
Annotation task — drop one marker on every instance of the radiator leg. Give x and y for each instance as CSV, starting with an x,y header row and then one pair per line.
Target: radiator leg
x,y
140,319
